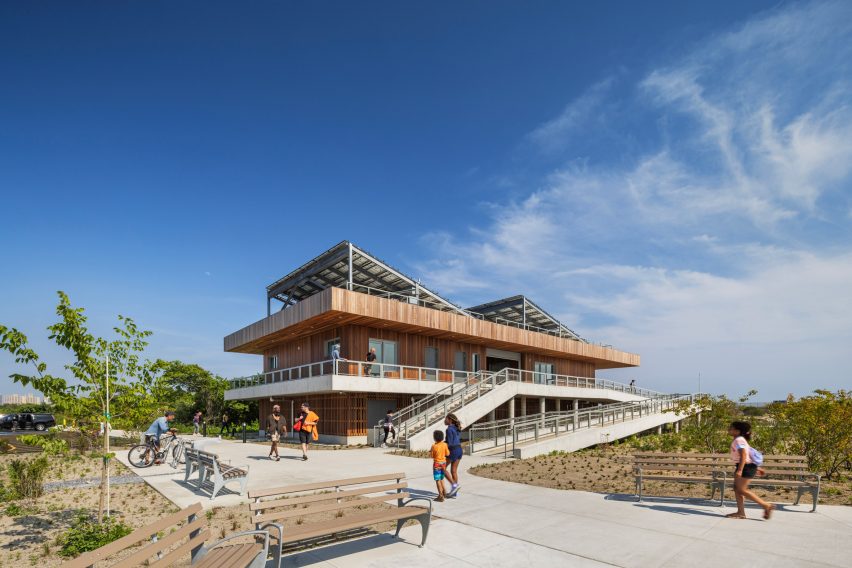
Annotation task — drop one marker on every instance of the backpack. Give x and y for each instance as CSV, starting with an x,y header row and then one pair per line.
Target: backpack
x,y
755,456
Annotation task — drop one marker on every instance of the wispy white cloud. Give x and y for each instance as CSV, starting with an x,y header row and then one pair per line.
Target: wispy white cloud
x,y
586,109
724,245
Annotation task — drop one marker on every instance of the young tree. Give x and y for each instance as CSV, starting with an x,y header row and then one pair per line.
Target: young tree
x,y
107,374
820,428
708,429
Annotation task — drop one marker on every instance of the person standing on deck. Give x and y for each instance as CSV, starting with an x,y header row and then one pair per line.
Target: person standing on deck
x,y
371,356
335,357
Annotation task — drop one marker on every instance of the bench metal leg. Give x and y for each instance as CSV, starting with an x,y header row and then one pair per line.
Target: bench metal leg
x,y
424,521
217,486
639,489
243,484
813,490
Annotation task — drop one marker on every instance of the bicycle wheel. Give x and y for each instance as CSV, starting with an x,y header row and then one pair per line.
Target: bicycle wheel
x,y
141,456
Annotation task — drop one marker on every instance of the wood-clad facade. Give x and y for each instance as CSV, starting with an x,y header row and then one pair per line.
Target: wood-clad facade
x,y
418,336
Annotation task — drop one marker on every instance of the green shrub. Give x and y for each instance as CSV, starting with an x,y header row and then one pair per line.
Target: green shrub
x,y
27,477
51,445
86,534
13,510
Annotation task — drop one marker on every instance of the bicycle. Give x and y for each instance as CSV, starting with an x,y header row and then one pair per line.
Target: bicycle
x,y
172,451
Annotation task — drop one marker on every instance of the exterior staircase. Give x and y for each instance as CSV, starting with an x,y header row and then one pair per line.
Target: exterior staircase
x,y
481,393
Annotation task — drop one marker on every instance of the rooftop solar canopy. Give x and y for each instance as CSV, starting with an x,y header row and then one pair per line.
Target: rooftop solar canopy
x,y
368,274
525,313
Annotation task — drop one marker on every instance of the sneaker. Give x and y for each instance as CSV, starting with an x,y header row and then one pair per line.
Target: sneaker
x,y
384,445
453,490
304,458
277,459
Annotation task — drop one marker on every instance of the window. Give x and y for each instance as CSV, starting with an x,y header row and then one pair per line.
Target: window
x,y
430,358
329,346
385,353
273,362
475,362
544,373
461,361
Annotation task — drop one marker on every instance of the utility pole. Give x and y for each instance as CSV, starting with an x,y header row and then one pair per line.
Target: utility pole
x,y
106,434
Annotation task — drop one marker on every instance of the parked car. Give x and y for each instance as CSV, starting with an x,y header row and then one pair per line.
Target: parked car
x,y
27,421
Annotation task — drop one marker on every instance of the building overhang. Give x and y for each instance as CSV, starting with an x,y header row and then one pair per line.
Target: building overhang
x,y
334,307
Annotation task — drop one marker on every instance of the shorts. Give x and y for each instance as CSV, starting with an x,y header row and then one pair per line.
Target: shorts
x,y
749,470
455,453
438,472
305,437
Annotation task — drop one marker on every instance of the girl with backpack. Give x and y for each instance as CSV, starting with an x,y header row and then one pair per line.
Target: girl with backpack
x,y
747,460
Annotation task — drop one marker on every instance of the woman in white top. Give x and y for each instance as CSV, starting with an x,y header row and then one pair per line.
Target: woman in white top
x,y
744,470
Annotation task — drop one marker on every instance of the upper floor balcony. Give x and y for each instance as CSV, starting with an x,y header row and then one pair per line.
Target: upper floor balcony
x,y
358,376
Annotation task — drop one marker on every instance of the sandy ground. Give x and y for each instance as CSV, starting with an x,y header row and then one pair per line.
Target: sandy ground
x,y
30,537
609,471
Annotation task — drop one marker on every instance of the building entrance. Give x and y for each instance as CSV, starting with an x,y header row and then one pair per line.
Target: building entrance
x,y
495,364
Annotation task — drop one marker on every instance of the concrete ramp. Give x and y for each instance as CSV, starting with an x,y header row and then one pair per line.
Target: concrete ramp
x,y
538,434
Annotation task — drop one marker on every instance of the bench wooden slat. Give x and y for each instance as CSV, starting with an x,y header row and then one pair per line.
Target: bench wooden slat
x,y
140,534
148,551
231,555
347,523
261,505
330,507
680,479
323,485
719,456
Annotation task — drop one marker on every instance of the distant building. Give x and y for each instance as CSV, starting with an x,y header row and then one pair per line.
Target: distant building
x,y
20,399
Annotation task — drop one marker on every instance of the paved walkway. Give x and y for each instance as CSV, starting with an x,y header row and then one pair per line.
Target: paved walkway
x,y
494,523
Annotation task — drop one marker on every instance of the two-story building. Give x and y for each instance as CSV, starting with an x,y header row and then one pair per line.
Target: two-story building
x,y
423,344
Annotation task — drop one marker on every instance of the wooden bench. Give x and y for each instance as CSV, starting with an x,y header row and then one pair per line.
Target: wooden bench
x,y
293,506
167,550
717,471
677,468
208,464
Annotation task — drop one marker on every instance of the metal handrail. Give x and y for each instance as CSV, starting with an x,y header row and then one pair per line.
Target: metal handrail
x,y
419,415
346,367
511,431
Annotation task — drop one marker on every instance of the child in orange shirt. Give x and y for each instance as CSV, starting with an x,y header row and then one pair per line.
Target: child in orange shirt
x,y
440,451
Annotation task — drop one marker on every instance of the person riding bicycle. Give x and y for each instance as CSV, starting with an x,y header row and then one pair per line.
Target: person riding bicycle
x,y
159,427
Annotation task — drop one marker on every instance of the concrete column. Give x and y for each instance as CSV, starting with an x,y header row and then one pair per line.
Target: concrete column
x,y
523,406
492,416
542,408
659,429
512,411
576,406
677,427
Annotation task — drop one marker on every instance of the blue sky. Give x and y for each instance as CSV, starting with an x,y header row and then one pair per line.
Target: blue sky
x,y
673,179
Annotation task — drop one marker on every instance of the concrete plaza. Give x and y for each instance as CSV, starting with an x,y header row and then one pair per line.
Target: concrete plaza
x,y
495,523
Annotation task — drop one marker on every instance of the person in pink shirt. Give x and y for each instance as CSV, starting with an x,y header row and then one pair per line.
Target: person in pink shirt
x,y
744,470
